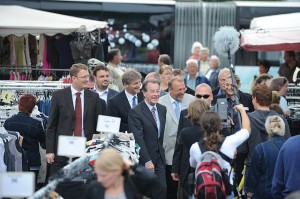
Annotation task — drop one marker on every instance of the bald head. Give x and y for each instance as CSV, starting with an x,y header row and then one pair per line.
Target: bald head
x,y
153,75
203,92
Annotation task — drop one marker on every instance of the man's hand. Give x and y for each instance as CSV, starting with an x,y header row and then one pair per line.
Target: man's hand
x,y
50,157
149,165
175,176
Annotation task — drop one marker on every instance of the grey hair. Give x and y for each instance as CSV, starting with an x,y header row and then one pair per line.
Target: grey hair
x,y
275,125
195,45
191,61
223,71
215,57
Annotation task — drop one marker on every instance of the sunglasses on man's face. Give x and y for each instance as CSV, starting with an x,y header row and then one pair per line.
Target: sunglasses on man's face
x,y
204,96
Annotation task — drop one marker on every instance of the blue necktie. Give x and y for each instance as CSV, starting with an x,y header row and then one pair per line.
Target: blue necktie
x,y
177,109
133,102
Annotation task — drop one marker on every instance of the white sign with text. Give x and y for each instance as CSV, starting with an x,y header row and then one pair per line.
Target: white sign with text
x,y
71,146
108,124
17,184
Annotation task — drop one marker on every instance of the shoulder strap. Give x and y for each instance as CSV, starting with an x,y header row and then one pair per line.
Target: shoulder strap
x,y
274,145
202,147
224,157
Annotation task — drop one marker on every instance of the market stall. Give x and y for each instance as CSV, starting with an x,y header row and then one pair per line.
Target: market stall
x,y
272,33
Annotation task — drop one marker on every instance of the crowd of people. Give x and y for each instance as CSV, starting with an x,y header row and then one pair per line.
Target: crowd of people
x,y
168,112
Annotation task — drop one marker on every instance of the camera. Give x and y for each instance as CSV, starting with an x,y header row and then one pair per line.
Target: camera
x,y
221,107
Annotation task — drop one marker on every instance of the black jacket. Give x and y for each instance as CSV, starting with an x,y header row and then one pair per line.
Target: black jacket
x,y
141,183
33,133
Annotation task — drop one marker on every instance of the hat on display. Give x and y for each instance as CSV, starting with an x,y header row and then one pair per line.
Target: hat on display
x,y
92,63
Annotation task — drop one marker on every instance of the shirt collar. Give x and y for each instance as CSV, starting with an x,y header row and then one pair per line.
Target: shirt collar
x,y
173,100
101,92
129,96
149,106
74,91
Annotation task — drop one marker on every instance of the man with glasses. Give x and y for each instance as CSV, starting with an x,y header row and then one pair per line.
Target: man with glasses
x,y
175,101
74,112
180,162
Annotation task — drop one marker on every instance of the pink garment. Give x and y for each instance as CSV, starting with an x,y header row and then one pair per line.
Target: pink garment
x,y
12,75
46,64
197,57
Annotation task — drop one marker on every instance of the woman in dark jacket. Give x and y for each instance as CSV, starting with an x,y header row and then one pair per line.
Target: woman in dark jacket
x,y
117,178
259,178
187,137
31,130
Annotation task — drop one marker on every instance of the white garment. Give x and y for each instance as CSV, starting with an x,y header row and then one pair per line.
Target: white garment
x,y
2,150
283,104
228,148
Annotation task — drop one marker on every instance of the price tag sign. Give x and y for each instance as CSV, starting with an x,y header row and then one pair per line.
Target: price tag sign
x,y
7,97
17,184
71,146
108,124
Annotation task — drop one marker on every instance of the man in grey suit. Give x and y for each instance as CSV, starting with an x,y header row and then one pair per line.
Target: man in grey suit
x,y
101,75
175,101
147,122
64,117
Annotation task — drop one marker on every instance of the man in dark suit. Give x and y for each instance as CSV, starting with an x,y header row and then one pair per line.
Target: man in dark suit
x,y
101,75
120,104
65,117
180,165
147,122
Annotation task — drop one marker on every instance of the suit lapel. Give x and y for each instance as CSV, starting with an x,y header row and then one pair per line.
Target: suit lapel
x,y
148,113
170,108
125,101
86,102
69,101
161,119
109,94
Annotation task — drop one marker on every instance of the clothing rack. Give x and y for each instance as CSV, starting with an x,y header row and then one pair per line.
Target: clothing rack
x,y
32,85
34,68
70,171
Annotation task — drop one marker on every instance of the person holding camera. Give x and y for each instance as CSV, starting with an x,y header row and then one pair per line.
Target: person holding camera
x,y
118,178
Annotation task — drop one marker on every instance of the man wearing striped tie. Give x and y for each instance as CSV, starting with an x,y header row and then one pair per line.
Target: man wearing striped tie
x,y
147,122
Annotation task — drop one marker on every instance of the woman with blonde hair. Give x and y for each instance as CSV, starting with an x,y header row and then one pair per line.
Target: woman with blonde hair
x,y
118,178
165,73
259,176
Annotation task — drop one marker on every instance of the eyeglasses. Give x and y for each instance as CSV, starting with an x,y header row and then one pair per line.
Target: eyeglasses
x,y
83,77
204,96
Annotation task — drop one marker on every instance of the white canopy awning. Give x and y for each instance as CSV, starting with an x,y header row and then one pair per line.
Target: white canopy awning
x,y
273,33
19,20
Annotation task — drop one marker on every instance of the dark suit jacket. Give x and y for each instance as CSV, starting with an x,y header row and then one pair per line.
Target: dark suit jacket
x,y
213,79
111,93
103,107
118,106
199,80
188,136
143,126
62,117
178,151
